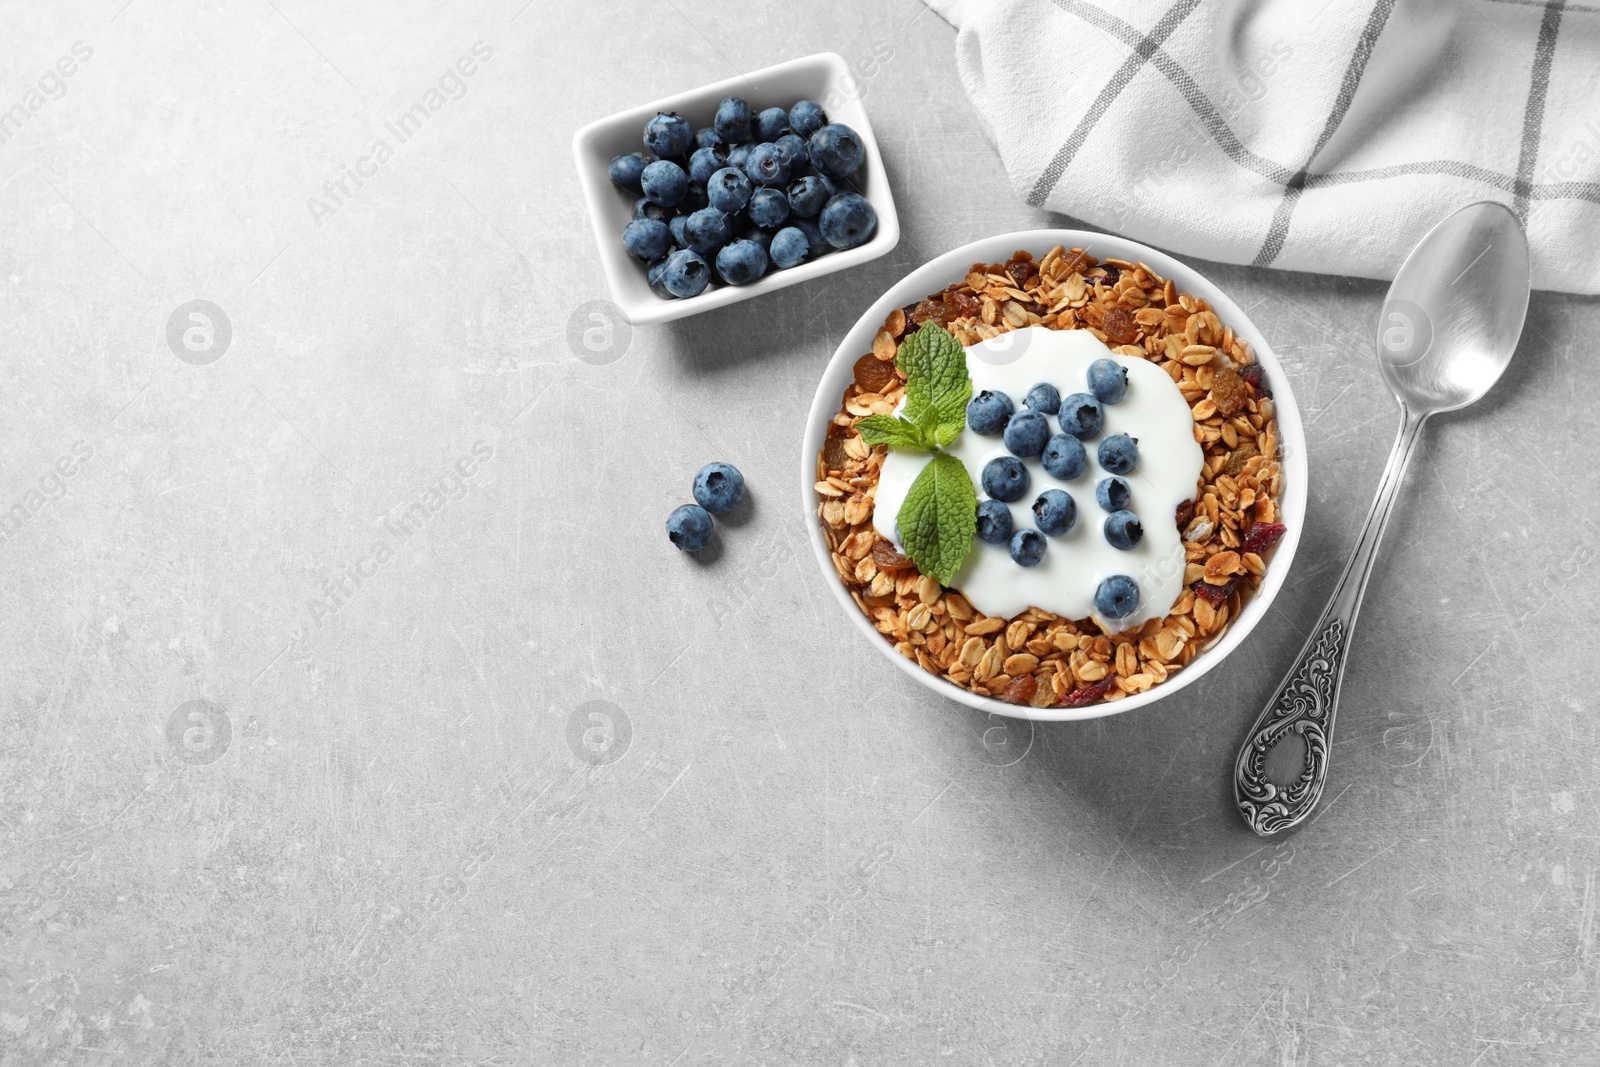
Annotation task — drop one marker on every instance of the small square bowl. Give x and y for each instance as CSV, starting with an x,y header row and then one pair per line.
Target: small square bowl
x,y
825,78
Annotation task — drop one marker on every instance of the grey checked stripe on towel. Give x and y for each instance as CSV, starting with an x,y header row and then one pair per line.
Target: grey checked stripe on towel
x,y
1274,133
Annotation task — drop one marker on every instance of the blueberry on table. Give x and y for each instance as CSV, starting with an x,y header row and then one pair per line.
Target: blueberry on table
x,y
664,183
687,274
789,248
626,170
668,134
836,151
707,230
1027,433
741,262
1044,398
704,163
1108,380
765,165
732,121
848,220
656,276
793,151
1005,478
1027,548
807,117
1080,415
689,527
768,208
1123,529
771,124
1055,512
994,522
729,190
1064,457
1119,453
807,196
719,487
1112,494
646,239
988,412
1117,597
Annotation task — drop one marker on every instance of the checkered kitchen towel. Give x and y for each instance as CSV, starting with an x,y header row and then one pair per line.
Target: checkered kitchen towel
x,y
1316,135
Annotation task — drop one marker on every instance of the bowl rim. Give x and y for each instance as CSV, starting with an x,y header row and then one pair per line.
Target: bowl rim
x,y
594,186
950,267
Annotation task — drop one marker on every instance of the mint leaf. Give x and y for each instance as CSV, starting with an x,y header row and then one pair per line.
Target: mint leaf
x,y
935,367
894,431
939,518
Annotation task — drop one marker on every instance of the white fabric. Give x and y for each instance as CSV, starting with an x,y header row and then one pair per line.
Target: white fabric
x,y
1184,123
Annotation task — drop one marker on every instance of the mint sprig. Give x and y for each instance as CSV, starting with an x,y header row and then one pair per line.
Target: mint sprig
x,y
939,515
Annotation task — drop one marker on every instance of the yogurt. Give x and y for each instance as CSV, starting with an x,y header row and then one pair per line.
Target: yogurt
x,y
1153,411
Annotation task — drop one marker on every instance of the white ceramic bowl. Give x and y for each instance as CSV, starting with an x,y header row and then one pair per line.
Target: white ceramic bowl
x,y
952,267
825,78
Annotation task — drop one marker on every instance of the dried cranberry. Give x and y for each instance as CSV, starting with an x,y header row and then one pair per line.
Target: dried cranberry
x,y
1215,593
1090,693
874,375
1113,275
1262,536
1020,690
1019,272
1252,377
1185,514
1119,327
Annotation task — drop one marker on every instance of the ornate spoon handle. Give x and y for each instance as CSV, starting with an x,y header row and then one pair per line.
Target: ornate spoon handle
x,y
1306,700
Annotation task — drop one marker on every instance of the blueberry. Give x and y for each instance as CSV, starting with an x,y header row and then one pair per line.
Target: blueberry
x,y
668,134
1119,453
707,230
1027,433
1123,529
768,208
765,165
789,248
719,487
1005,478
644,209
706,137
1080,415
741,262
836,151
848,220
680,236
1064,457
793,151
994,522
807,196
732,121
687,274
1044,398
771,124
647,239
1117,597
1027,548
729,189
1055,512
1108,380
1112,494
739,153
704,163
988,412
813,232
689,527
626,169
664,183
759,236
694,199
807,117
655,275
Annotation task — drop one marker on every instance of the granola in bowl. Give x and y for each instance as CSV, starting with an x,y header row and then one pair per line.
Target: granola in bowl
x,y
1221,535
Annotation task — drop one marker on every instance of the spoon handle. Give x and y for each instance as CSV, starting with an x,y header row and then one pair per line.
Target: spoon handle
x,y
1305,702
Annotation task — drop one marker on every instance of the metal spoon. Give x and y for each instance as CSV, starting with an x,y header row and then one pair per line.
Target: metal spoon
x,y
1446,333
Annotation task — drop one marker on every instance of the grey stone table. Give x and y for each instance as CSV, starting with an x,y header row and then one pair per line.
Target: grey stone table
x,y
356,709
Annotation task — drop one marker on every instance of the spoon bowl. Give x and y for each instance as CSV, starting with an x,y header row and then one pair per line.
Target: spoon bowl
x,y
1455,310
